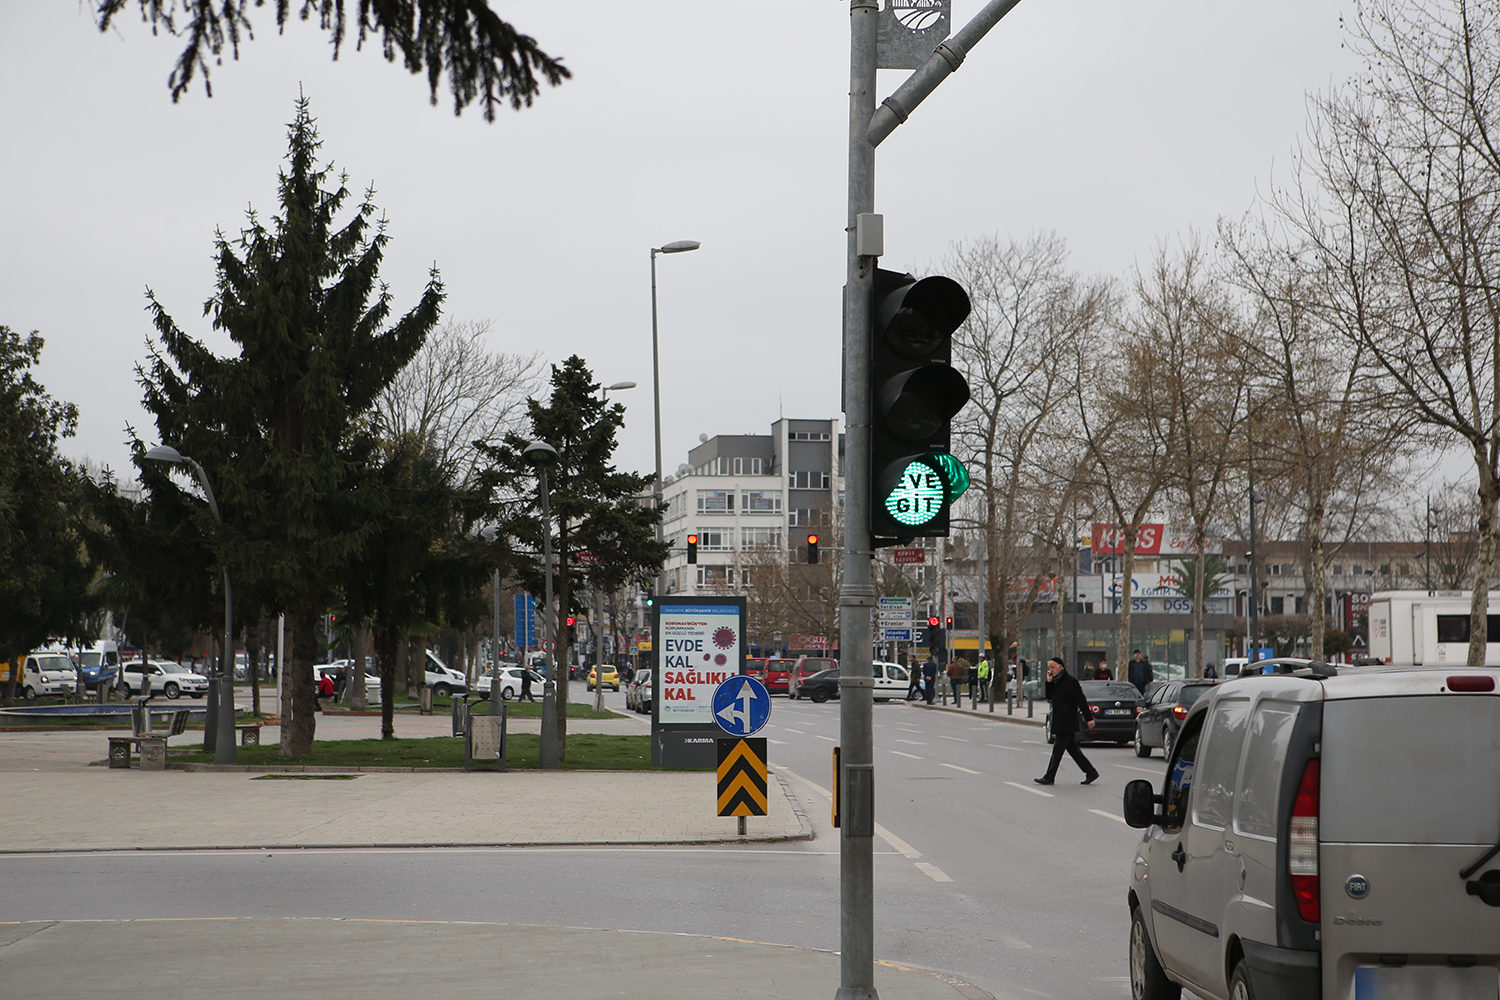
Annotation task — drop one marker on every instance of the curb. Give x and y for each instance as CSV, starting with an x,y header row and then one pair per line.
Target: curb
x,y
976,714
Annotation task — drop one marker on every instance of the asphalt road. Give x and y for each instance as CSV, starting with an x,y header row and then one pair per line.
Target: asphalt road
x,y
980,873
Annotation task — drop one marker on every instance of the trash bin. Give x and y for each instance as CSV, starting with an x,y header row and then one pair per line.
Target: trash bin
x,y
458,717
426,697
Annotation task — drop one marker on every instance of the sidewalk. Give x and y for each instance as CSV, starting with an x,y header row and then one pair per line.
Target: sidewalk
x,y
982,711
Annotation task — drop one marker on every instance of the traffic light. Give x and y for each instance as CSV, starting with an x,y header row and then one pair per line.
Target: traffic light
x,y
914,394
570,621
933,621
949,624
812,550
692,548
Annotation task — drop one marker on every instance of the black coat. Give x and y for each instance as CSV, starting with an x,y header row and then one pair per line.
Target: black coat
x,y
1068,703
1140,673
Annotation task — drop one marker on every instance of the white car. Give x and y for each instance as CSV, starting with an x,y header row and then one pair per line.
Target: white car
x,y
891,680
168,678
510,683
48,672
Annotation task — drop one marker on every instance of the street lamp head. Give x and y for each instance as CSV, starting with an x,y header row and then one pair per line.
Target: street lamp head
x,y
618,386
540,454
165,453
680,246
489,532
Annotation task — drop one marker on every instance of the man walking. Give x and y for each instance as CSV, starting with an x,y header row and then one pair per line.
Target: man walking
x,y
929,680
984,678
958,670
525,685
1068,703
1140,671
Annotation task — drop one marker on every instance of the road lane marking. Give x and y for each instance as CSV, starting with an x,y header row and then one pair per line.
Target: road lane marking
x,y
830,739
797,731
998,746
955,767
934,872
915,743
780,743
1101,812
914,732
901,846
1033,791
911,755
955,739
1036,743
1144,770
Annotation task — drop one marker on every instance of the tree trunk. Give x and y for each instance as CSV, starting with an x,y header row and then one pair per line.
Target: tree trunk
x,y
419,663
1200,563
358,697
1484,562
299,679
1127,576
1317,566
399,664
387,646
564,648
252,665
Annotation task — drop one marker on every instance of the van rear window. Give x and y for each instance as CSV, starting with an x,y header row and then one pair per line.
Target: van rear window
x,y
1417,770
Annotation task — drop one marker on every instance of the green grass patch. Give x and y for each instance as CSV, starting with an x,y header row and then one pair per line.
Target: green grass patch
x,y
586,752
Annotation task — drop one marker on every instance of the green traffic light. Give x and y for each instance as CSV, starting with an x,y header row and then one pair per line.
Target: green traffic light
x,y
925,488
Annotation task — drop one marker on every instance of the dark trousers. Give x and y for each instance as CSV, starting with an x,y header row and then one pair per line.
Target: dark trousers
x,y
1067,743
929,689
525,693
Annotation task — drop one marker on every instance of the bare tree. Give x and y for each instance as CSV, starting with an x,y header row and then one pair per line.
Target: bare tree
x,y
1032,324
456,391
1400,209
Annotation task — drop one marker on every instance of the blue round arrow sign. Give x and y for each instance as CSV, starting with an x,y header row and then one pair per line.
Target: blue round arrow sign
x,y
742,705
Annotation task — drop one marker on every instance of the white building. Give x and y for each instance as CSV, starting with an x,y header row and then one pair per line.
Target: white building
x,y
749,492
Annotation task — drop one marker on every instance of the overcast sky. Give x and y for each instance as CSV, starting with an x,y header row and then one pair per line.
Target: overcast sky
x,y
1116,124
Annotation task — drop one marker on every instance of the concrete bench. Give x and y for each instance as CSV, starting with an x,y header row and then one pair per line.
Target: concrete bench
x,y
153,751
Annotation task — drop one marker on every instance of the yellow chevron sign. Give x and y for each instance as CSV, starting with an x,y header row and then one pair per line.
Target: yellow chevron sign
x,y
742,777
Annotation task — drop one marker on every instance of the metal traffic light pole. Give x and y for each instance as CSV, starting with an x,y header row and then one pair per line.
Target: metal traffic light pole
x,y
867,129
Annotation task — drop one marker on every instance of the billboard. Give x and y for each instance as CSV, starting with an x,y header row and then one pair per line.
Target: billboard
x,y
1150,540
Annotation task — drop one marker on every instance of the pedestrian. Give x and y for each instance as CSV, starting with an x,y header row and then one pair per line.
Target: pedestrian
x,y
1068,705
973,681
1211,672
929,680
525,685
1104,673
913,681
340,684
958,671
1140,671
324,690
983,673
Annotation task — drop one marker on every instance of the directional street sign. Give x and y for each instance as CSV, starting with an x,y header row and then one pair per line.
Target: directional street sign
x,y
742,777
742,705
895,635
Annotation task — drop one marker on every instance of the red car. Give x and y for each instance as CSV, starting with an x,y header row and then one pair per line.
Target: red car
x,y
778,672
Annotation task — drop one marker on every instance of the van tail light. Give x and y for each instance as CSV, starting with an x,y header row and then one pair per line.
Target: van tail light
x,y
1302,850
1179,712
1473,683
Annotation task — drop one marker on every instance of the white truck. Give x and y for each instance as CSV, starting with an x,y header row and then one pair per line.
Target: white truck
x,y
1411,627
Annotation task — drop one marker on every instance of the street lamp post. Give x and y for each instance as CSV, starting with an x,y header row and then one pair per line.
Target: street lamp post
x,y
218,727
489,534
598,614
678,246
543,456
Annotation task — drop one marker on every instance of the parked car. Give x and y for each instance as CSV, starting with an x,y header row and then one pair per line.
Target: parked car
x,y
819,686
1113,706
891,680
48,672
1165,705
1322,833
805,667
778,674
638,692
167,677
510,683
608,677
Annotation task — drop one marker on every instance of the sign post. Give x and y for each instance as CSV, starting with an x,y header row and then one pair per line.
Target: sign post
x,y
742,707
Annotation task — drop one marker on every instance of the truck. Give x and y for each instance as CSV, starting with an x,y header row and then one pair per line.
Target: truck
x,y
1414,627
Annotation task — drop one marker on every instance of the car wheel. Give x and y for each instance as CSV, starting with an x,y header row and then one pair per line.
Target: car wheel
x,y
1147,980
1141,749
1239,984
171,690
1166,745
124,690
819,695
30,693
506,694
1047,731
441,690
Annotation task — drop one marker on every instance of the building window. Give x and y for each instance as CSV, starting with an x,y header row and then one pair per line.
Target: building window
x,y
713,576
760,502
747,467
760,538
1385,569
1276,569
804,517
1358,570
806,436
1338,569
1278,605
808,480
715,539
716,501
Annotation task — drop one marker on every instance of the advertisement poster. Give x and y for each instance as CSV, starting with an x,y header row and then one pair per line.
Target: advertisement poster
x,y
700,643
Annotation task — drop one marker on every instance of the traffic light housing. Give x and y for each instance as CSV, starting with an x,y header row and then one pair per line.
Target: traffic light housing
x,y
933,621
692,548
812,550
570,621
914,394
950,622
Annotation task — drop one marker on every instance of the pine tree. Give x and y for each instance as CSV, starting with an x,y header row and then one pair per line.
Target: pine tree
x,y
593,508
280,428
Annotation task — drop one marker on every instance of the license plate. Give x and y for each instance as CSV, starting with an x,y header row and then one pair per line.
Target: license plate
x,y
1424,982
1117,711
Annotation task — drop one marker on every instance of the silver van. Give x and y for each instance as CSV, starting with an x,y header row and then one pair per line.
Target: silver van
x,y
1327,833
